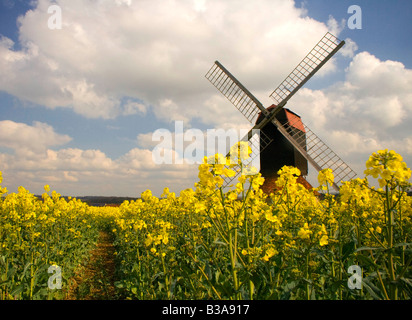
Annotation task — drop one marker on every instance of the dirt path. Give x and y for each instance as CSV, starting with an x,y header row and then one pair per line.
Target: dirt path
x,y
95,280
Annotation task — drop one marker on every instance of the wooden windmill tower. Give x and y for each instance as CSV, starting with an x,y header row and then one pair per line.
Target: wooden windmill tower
x,y
284,139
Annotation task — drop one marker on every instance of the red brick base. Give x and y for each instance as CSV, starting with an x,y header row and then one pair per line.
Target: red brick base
x,y
269,185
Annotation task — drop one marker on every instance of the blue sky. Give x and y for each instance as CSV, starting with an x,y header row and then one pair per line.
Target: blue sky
x,y
79,105
386,25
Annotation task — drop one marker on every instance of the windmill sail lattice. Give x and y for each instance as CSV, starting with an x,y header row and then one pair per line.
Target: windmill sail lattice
x,y
235,92
316,151
313,61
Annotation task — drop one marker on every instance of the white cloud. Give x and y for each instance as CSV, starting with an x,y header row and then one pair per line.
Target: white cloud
x,y
37,137
132,107
169,110
349,49
334,26
89,172
138,159
378,78
153,51
73,171
189,145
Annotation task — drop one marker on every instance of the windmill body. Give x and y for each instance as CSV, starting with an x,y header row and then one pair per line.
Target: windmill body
x,y
283,138
280,151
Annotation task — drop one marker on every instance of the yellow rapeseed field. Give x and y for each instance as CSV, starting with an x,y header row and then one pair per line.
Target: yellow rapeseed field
x,y
210,244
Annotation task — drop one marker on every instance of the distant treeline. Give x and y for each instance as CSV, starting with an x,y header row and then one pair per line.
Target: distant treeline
x,y
100,201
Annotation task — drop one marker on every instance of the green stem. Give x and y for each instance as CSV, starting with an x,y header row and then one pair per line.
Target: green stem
x,y
206,277
307,277
251,285
166,277
390,220
232,246
31,276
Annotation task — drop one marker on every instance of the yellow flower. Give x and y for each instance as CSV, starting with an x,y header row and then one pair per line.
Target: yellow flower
x,y
240,151
232,196
287,176
165,192
218,180
304,232
239,188
323,240
269,216
218,169
257,181
146,195
387,165
199,206
228,172
205,176
269,254
149,240
242,179
325,177
215,159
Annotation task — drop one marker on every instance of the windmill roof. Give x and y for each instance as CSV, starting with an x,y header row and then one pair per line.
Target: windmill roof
x,y
292,118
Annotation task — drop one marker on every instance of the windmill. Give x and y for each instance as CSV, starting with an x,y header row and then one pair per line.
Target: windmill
x,y
283,138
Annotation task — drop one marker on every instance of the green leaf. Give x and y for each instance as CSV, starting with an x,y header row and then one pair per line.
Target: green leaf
x,y
288,288
407,286
337,284
403,244
135,267
367,260
220,243
119,284
28,264
372,289
40,293
11,272
369,249
347,249
217,275
3,261
18,290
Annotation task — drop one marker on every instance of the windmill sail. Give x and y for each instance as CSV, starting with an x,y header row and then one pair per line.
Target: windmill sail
x,y
235,92
314,60
315,151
